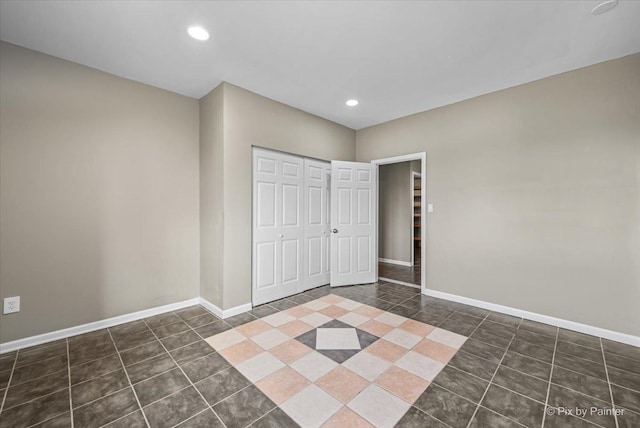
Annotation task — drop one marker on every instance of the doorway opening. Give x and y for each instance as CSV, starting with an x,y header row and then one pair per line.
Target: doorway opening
x,y
401,220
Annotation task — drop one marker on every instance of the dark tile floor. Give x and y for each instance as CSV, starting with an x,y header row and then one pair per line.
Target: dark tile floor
x,y
408,274
159,372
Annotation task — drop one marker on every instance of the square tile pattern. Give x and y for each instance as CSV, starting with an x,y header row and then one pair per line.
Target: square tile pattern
x,y
370,355
340,366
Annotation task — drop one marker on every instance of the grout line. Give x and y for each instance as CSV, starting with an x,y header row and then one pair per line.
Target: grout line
x,y
553,359
187,377
580,358
606,371
104,396
122,417
430,415
491,380
127,375
154,376
510,419
37,361
488,384
6,391
192,417
475,329
494,412
166,371
63,388
136,346
37,348
168,395
479,403
524,355
142,361
463,372
69,376
91,379
42,423
91,361
278,407
156,355
240,390
39,377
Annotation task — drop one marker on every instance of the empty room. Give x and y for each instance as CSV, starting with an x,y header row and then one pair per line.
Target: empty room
x,y
280,214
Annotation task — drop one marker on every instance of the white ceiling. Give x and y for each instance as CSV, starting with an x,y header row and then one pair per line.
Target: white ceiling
x,y
397,58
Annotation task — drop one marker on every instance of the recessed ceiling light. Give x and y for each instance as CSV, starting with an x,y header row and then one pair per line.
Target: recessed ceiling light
x,y
352,103
604,7
198,33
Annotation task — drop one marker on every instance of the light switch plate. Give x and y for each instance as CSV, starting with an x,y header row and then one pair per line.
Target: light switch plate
x,y
430,208
11,305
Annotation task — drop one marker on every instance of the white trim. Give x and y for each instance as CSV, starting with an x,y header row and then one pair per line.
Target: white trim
x,y
395,281
226,313
401,158
92,326
422,157
211,307
558,322
394,262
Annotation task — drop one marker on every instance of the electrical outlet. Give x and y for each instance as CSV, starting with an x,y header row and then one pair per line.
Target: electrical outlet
x,y
11,305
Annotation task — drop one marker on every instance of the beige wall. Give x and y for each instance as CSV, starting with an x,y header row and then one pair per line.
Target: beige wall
x,y
250,119
395,221
98,194
211,196
537,194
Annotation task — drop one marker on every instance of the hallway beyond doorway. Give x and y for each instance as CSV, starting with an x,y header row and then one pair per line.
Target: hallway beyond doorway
x,y
408,274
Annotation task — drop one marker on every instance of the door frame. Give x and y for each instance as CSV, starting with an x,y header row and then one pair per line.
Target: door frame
x,y
422,157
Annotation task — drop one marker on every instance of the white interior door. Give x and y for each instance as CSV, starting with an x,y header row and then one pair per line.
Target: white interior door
x,y
353,223
316,223
277,225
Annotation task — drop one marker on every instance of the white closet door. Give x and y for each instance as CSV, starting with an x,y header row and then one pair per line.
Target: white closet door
x,y
277,225
353,223
316,223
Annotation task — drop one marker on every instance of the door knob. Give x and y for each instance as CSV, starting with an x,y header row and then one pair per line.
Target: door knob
x,y
281,236
334,231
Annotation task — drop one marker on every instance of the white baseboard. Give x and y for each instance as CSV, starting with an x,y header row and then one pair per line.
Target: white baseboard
x,y
92,326
110,322
558,322
227,312
395,262
395,281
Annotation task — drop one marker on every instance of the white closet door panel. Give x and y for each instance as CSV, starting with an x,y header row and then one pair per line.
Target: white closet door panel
x,y
314,256
316,223
277,225
353,222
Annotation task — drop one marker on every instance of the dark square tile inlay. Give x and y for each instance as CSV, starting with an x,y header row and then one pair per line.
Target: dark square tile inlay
x,y
338,355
